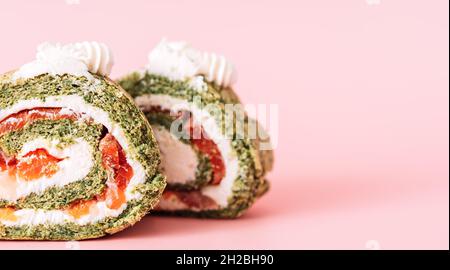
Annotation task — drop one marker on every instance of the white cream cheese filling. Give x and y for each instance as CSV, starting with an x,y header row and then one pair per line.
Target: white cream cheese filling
x,y
33,217
178,160
221,192
78,105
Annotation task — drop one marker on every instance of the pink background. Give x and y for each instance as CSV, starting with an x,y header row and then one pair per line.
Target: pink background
x,y
362,88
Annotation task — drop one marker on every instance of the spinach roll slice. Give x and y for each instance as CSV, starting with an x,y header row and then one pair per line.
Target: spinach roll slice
x,y
78,159
213,169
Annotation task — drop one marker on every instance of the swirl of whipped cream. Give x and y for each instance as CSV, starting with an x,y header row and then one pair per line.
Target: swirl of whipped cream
x,y
97,56
179,61
79,59
218,69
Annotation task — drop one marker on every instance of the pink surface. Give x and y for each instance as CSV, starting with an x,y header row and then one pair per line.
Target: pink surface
x,y
362,88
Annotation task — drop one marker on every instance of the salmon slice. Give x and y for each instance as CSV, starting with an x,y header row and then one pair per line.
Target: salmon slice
x,y
115,162
80,208
115,197
207,147
124,173
110,152
192,199
19,120
210,149
8,214
32,166
36,164
3,166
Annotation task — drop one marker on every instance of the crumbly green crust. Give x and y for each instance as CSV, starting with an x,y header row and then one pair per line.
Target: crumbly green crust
x,y
109,97
250,182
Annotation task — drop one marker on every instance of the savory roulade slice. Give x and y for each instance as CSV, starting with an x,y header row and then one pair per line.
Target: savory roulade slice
x,y
212,169
77,158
